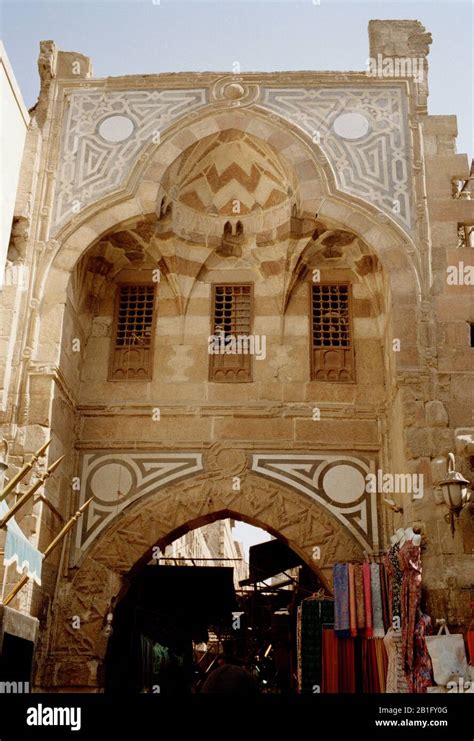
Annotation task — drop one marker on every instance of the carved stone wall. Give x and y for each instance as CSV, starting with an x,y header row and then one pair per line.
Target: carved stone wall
x,y
73,658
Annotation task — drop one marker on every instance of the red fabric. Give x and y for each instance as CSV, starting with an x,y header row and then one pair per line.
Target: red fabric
x,y
369,630
330,682
347,675
370,671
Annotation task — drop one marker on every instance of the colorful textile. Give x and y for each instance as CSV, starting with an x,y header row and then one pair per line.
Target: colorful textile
x,y
341,600
385,600
359,590
374,666
352,601
330,680
422,675
382,663
347,675
377,612
366,579
395,581
396,680
410,564
314,613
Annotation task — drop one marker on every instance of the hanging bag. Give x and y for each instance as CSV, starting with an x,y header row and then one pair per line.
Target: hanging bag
x,y
448,655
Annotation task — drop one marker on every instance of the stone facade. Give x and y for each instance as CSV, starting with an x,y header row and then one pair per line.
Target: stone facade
x,y
135,180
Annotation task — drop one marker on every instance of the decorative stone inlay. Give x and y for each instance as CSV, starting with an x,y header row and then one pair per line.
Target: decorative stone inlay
x,y
115,480
374,167
89,165
335,482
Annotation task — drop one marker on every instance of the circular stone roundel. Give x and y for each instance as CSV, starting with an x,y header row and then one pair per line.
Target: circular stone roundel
x,y
116,128
343,484
111,482
351,125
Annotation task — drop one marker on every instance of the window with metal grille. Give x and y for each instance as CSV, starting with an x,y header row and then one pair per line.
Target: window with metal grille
x,y
131,355
232,319
332,343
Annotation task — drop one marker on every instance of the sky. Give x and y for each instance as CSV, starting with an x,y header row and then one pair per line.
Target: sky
x,y
151,36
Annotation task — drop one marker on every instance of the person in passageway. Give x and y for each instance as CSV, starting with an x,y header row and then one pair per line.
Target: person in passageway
x,y
230,679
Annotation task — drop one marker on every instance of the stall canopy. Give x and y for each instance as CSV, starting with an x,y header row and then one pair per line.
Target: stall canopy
x,y
270,558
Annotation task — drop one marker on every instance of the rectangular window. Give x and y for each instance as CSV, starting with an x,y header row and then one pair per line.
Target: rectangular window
x,y
231,320
132,339
332,355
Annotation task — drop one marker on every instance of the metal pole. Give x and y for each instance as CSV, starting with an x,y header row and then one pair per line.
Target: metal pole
x,y
22,473
24,498
69,524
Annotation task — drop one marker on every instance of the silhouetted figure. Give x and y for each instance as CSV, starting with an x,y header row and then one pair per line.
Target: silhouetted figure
x,y
230,679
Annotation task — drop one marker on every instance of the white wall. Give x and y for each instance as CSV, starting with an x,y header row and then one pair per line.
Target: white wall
x,y
14,120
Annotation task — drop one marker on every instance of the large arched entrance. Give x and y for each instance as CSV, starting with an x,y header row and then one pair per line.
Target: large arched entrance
x,y
75,658
294,452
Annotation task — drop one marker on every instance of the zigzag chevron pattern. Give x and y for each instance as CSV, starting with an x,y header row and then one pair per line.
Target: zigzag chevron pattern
x,y
89,166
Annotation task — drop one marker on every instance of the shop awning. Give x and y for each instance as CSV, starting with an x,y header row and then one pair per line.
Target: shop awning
x,y
19,550
270,558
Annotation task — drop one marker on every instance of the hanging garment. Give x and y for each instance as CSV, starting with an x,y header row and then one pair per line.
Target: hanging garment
x,y
330,680
314,613
382,663
341,600
396,680
352,601
395,581
359,589
422,676
385,600
370,674
378,629
299,676
410,564
346,671
366,579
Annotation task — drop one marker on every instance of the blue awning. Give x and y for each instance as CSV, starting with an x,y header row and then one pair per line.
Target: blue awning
x,y
19,550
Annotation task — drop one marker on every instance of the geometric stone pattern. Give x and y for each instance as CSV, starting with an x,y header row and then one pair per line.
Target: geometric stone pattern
x,y
375,166
90,166
115,480
75,656
338,483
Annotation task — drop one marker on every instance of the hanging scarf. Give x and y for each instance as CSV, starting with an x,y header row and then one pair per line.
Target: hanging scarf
x,y
359,590
341,600
366,580
377,611
352,601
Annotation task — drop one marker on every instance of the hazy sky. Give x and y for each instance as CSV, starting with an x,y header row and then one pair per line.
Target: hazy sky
x,y
147,36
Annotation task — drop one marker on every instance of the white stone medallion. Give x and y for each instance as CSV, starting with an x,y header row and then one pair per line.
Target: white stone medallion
x,y
115,480
337,483
363,133
104,133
